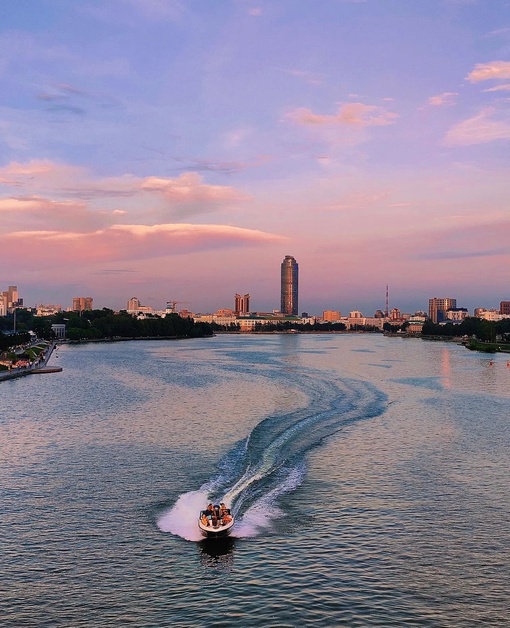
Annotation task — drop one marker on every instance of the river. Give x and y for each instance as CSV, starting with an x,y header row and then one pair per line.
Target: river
x,y
369,477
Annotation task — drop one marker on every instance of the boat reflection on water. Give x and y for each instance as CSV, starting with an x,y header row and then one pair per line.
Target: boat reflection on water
x,y
217,553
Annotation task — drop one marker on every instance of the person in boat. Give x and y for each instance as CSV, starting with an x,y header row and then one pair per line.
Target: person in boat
x,y
225,514
212,513
209,512
204,520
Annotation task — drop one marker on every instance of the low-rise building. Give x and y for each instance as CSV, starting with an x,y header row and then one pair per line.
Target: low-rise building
x,y
491,315
47,310
59,330
331,316
456,314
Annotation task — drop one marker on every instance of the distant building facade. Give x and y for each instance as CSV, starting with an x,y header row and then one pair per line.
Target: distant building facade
x,y
331,316
456,314
242,304
504,308
9,300
82,304
289,286
416,322
48,310
438,308
133,304
489,315
59,330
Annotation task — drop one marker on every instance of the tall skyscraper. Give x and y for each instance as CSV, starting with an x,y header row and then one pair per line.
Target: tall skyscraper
x,y
439,307
242,304
289,287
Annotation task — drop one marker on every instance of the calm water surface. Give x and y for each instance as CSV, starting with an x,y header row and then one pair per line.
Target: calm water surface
x,y
369,477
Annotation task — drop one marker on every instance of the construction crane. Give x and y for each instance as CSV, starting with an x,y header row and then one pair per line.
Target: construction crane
x,y
170,305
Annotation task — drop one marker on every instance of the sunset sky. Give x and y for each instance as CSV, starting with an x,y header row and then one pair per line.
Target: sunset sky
x,y
179,149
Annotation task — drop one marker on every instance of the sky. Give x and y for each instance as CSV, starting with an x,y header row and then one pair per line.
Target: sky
x,y
177,150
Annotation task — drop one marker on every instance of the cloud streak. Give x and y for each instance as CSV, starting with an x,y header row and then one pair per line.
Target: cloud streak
x,y
489,71
186,194
354,114
189,188
446,99
55,226
480,129
128,242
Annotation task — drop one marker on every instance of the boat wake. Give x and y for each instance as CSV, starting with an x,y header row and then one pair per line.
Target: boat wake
x,y
271,461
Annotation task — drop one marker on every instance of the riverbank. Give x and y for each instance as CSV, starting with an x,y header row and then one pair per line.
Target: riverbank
x,y
37,367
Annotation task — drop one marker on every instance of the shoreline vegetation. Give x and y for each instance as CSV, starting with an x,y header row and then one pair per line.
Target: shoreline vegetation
x,y
107,326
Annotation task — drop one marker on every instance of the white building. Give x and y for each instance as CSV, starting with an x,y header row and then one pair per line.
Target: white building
x,y
456,314
491,315
59,330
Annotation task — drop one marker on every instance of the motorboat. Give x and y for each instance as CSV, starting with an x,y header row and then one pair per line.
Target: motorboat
x,y
216,527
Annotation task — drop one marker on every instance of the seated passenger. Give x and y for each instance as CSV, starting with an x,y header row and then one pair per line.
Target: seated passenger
x,y
223,510
226,519
204,520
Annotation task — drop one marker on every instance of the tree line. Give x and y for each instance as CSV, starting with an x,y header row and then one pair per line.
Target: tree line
x,y
106,324
99,325
486,331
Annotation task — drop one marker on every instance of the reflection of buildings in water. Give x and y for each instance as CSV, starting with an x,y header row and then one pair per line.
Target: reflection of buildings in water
x,y
446,368
217,553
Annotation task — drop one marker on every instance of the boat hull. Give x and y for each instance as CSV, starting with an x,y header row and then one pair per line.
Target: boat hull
x,y
216,532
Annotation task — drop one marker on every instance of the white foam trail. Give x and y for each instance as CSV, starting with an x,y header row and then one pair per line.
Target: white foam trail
x,y
182,518
255,519
260,515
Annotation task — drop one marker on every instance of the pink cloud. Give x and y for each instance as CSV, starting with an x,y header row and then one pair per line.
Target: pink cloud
x,y
354,114
189,188
63,180
499,88
38,177
447,99
488,71
30,212
479,129
133,242
16,173
78,216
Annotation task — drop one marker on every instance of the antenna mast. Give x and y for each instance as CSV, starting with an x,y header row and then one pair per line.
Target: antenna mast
x,y
387,311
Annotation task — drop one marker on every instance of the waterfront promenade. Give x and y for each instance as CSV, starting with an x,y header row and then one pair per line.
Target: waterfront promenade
x,y
38,366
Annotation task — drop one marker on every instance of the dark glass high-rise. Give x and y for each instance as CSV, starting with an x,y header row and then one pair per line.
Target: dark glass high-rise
x,y
289,286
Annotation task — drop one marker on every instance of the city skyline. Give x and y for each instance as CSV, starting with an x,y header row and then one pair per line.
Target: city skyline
x,y
369,139
437,306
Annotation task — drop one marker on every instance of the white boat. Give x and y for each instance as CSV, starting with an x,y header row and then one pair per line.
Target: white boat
x,y
215,527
